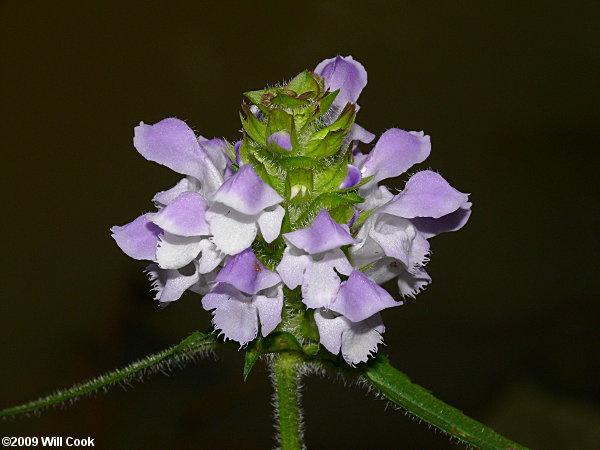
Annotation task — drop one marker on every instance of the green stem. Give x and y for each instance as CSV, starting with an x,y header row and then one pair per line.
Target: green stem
x,y
192,346
286,380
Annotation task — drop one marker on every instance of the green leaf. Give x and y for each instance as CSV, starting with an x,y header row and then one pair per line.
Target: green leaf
x,y
269,253
326,102
255,129
398,388
187,350
278,341
279,120
330,178
361,219
249,360
342,213
230,150
298,162
353,188
328,201
304,82
268,172
261,98
327,146
289,101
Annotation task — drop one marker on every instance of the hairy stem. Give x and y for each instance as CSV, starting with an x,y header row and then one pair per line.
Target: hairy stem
x,y
287,395
188,349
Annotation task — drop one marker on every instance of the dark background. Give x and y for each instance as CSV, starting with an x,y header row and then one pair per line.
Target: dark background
x,y
508,332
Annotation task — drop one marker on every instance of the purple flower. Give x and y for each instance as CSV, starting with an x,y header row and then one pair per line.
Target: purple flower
x,y
177,237
345,74
202,234
246,295
394,236
241,206
314,260
356,340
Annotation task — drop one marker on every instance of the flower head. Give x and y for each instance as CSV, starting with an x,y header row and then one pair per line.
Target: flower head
x,y
293,217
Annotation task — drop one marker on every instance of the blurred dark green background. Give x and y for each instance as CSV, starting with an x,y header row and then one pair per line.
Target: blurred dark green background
x,y
508,331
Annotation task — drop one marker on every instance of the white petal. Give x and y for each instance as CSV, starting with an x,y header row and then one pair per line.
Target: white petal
x,y
292,267
360,339
330,329
170,284
210,257
321,282
232,231
235,314
269,310
270,222
174,252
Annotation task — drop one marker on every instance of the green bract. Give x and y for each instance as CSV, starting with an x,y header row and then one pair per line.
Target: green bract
x,y
308,175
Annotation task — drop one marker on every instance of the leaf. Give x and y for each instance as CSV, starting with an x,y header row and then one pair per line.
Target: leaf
x,y
342,213
249,360
261,98
278,120
289,101
361,219
353,188
279,341
397,388
333,176
255,129
328,201
187,350
267,171
303,83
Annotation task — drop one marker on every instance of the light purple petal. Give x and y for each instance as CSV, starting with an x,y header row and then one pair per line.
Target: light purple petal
x,y
231,231
172,143
234,314
375,196
215,150
354,219
186,184
395,152
292,267
238,159
269,222
359,298
399,239
411,284
138,239
321,282
358,133
322,235
184,216
367,250
247,274
269,310
352,179
450,222
426,194
384,270
174,252
168,284
345,74
246,192
282,139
